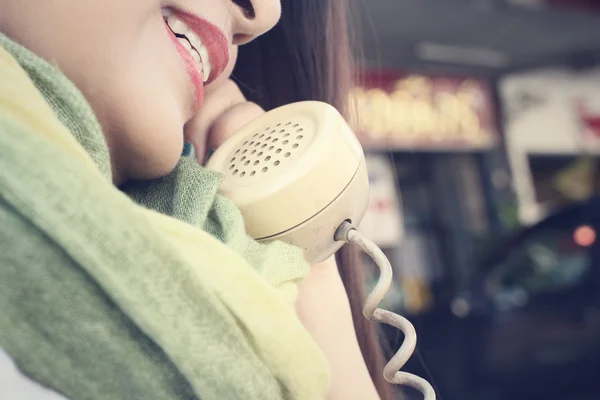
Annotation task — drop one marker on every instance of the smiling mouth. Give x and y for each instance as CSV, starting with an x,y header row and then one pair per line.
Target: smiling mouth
x,y
191,42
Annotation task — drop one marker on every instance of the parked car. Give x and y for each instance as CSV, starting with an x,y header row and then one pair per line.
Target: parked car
x,y
528,327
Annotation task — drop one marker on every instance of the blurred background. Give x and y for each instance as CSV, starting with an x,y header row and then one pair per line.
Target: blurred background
x,y
481,124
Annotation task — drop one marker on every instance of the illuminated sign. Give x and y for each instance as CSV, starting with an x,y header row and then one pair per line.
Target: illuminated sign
x,y
423,112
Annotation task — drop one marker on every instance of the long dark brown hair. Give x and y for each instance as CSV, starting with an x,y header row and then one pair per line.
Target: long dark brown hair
x,y
307,57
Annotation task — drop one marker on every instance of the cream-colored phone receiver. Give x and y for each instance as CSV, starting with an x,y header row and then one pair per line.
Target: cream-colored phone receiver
x,y
298,174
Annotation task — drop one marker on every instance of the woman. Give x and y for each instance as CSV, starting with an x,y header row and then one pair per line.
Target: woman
x,y
87,315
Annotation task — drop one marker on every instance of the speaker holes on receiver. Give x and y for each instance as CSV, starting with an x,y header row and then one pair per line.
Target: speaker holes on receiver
x,y
265,147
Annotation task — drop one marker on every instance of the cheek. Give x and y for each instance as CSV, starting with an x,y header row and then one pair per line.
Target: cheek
x,y
131,75
146,135
143,101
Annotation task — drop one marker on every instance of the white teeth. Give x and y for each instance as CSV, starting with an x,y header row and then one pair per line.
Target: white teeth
x,y
196,57
194,39
198,51
185,44
177,26
203,51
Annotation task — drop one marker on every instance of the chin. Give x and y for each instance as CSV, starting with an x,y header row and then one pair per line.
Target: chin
x,y
153,163
165,165
148,146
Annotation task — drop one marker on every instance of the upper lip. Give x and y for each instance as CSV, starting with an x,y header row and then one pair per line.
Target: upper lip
x,y
212,38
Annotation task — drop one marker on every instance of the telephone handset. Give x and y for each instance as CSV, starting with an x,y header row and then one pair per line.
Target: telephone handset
x,y
298,174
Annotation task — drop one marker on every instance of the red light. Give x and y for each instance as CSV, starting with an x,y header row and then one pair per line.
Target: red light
x,y
585,236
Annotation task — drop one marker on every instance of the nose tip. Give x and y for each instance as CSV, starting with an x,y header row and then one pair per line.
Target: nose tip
x,y
253,18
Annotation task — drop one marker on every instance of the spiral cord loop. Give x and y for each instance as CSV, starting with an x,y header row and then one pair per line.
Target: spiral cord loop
x,y
347,233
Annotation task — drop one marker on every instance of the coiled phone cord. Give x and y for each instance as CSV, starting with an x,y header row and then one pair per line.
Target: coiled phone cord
x,y
347,233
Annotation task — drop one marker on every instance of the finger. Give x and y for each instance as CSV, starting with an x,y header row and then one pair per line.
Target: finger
x,y
215,104
231,121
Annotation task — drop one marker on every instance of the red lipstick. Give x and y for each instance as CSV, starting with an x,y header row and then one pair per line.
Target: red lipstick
x,y
192,69
213,42
212,38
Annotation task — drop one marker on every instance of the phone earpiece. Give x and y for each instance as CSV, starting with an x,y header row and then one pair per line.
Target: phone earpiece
x,y
296,174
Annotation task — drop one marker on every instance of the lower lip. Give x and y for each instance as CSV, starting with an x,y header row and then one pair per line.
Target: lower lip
x,y
192,70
